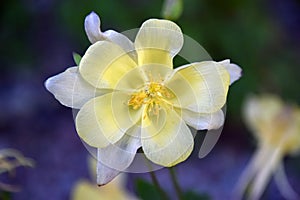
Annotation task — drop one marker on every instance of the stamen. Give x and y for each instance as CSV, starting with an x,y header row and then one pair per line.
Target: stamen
x,y
153,95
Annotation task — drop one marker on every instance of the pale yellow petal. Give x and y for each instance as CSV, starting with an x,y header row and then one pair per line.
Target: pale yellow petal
x,y
104,64
105,119
137,78
166,140
200,87
158,41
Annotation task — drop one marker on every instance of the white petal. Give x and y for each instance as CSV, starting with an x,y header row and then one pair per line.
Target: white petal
x,y
256,163
105,174
158,41
92,27
119,39
120,155
264,174
70,89
201,121
234,70
166,140
117,157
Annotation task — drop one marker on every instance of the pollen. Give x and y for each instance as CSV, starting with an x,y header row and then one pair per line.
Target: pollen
x,y
137,99
152,95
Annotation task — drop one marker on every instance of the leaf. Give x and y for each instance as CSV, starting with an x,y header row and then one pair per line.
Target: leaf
x,y
191,195
5,195
76,58
172,9
146,190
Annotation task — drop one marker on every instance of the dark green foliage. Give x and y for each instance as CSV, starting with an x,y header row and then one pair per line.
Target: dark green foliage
x,y
147,191
5,195
191,195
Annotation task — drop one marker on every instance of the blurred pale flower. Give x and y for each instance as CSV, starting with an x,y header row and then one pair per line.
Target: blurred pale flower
x,y
10,159
116,190
276,127
130,96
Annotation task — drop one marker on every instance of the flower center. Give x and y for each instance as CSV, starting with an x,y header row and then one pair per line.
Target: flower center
x,y
153,95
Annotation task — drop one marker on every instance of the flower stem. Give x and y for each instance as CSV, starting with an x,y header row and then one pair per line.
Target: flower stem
x,y
157,185
175,182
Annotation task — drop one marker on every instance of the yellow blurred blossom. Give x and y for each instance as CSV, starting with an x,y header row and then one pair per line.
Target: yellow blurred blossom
x,y
130,96
116,190
276,126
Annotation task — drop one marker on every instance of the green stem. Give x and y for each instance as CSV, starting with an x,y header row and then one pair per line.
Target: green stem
x,y
157,185
175,182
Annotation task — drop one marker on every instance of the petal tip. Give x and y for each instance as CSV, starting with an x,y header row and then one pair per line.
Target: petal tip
x,y
234,70
92,27
49,83
92,16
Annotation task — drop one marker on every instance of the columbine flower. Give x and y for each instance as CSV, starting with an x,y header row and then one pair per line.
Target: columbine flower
x,y
276,126
130,96
85,189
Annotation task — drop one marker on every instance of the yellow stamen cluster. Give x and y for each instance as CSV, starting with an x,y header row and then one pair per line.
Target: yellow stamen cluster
x,y
152,95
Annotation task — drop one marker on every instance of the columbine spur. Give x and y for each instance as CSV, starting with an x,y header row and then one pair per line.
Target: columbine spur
x,y
130,96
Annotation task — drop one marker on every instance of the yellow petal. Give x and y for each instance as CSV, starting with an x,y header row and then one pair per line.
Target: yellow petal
x,y
158,41
200,87
104,64
105,119
166,140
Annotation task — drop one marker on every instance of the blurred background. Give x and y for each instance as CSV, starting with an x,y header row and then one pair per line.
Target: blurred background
x,y
37,40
